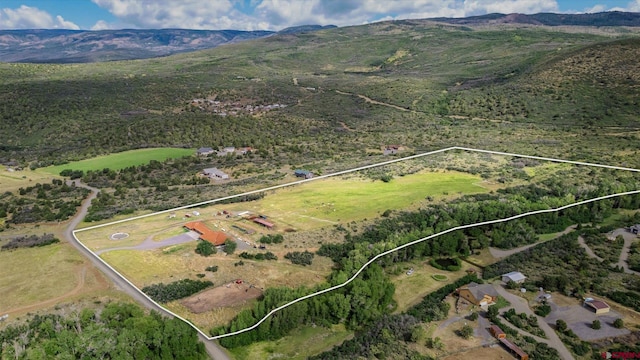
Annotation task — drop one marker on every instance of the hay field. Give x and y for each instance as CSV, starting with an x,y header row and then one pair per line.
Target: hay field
x,y
340,200
121,160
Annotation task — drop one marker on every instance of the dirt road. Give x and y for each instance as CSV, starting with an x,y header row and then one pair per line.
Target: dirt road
x,y
499,254
520,305
587,249
214,351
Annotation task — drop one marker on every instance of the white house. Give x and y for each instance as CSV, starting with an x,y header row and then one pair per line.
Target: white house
x,y
514,276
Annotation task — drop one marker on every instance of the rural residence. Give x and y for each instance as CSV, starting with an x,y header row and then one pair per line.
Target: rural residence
x,y
204,151
215,173
478,294
217,238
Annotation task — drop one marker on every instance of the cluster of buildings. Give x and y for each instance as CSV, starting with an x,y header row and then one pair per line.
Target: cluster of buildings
x,y
229,150
226,108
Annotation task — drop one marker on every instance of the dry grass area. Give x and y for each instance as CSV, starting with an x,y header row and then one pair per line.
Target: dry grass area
x,y
230,294
61,274
153,266
14,180
488,353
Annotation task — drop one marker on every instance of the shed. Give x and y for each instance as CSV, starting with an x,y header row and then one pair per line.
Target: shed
x,y
514,276
598,306
514,349
635,229
263,222
497,332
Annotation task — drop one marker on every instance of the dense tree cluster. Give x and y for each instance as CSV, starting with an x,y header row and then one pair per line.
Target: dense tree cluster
x,y
55,201
303,258
119,331
258,256
176,290
30,241
358,304
205,248
271,239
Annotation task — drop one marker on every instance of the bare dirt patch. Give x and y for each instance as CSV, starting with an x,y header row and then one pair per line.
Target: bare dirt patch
x,y
231,294
484,353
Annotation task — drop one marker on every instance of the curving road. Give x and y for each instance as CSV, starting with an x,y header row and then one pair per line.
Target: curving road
x,y
214,351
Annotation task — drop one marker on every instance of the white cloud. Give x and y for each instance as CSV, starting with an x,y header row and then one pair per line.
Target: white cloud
x,y
26,17
190,14
595,9
479,7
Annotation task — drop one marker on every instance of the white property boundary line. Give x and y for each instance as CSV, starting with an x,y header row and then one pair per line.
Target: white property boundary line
x,y
353,277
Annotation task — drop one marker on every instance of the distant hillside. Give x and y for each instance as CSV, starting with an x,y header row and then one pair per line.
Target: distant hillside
x,y
72,46
611,18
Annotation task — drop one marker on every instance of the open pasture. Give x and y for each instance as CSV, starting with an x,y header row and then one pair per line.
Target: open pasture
x,y
344,199
121,160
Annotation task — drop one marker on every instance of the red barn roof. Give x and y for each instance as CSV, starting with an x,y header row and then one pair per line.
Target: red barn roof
x,y
217,238
598,304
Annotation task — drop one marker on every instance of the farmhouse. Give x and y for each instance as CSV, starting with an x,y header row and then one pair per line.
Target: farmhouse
x,y
215,173
598,306
514,276
478,294
303,173
217,238
204,151
263,222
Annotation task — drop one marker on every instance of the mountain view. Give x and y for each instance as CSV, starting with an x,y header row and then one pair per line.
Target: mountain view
x,y
393,186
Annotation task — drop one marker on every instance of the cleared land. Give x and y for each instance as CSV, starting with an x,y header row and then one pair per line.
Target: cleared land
x,y
121,160
330,201
13,180
57,272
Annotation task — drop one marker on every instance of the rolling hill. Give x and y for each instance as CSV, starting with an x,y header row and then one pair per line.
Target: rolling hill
x,y
346,86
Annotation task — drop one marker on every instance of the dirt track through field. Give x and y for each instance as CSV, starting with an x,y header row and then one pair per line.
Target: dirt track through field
x,y
371,101
80,274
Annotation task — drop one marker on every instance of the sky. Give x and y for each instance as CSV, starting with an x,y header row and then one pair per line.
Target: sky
x,y
265,14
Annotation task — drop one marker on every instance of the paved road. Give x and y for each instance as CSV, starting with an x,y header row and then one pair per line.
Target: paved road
x,y
149,244
215,352
521,306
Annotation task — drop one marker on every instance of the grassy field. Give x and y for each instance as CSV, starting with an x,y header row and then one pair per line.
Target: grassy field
x,y
334,200
12,181
306,342
410,289
121,160
61,274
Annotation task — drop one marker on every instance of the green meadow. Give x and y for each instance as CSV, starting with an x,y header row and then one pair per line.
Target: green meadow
x,y
339,199
121,160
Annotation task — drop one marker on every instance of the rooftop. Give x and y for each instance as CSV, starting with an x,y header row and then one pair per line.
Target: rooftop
x,y
513,347
217,238
515,275
597,304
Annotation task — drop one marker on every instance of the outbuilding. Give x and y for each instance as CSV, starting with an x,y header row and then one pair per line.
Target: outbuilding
x,y
215,173
514,276
598,306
